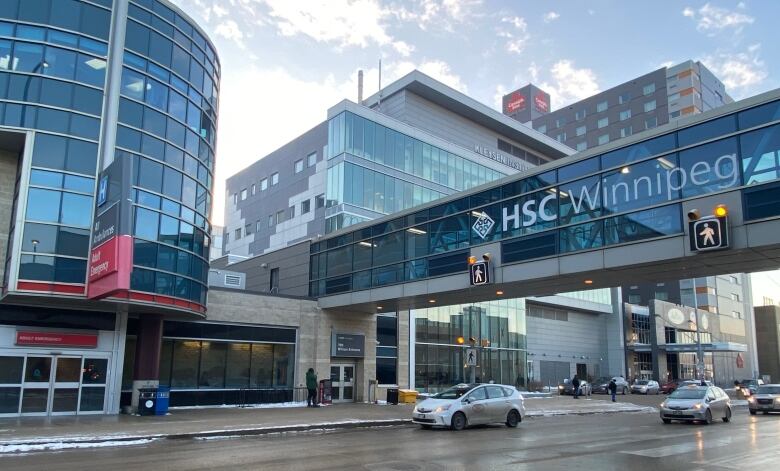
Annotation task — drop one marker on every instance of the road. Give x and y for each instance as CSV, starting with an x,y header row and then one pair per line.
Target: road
x,y
635,441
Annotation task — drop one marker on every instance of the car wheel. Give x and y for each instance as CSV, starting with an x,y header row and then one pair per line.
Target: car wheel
x,y
426,427
708,417
752,412
512,419
667,421
458,421
727,418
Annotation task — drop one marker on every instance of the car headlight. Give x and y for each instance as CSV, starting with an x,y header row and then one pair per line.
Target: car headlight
x,y
697,406
752,400
441,408
777,400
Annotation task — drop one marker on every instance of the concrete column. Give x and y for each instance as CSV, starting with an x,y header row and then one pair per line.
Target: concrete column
x,y
147,354
405,342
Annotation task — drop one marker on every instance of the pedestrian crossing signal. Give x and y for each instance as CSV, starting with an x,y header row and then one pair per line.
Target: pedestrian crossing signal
x,y
479,273
709,233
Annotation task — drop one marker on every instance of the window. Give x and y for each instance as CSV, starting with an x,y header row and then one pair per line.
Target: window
x,y
736,314
542,129
651,122
274,178
561,137
626,131
624,98
270,220
649,106
299,166
305,206
603,139
582,146
312,159
254,188
292,212
734,296
247,229
648,89
235,198
580,114
601,107
625,114
280,217
603,122
273,284
674,114
634,299
243,194
560,122
581,131
263,184
320,202
258,226
238,234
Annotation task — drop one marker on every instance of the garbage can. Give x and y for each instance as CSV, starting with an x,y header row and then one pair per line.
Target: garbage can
x,y
325,392
392,396
163,399
147,401
407,396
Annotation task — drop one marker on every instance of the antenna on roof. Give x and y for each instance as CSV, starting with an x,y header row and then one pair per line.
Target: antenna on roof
x,y
379,102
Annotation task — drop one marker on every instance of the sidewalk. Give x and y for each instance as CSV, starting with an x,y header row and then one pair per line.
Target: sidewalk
x,y
41,433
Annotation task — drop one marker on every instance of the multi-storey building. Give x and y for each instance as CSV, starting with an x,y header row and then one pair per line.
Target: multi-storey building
x,y
641,103
106,108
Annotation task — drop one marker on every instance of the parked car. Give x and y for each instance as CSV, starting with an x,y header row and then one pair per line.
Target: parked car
x,y
601,386
696,403
749,387
645,386
567,389
766,399
471,404
670,386
694,382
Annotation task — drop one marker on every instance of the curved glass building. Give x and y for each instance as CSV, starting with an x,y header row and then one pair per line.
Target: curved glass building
x,y
108,113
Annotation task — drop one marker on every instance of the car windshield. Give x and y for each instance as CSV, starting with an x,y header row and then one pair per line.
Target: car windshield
x,y
749,382
768,390
454,392
688,394
603,380
642,382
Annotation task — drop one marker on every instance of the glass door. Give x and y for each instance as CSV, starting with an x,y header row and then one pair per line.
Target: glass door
x,y
342,379
36,386
59,385
65,387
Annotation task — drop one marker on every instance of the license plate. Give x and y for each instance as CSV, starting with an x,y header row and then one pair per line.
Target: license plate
x,y
766,406
419,416
677,412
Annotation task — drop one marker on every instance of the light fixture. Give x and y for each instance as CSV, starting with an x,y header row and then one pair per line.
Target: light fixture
x,y
35,241
693,214
625,170
431,301
486,257
379,307
460,340
366,244
500,293
721,210
414,230
472,260
588,282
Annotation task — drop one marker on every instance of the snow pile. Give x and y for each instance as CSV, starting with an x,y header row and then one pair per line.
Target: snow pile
x,y
53,446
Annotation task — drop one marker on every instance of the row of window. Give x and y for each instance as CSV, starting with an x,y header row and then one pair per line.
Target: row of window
x,y
277,218
50,92
363,138
20,56
68,14
164,258
650,122
155,226
156,177
167,284
298,166
171,208
48,119
602,106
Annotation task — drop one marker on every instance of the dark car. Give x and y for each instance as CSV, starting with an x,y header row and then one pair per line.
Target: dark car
x,y
566,388
671,386
748,387
601,385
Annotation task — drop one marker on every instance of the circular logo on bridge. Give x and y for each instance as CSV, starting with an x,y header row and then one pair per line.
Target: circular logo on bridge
x,y
675,316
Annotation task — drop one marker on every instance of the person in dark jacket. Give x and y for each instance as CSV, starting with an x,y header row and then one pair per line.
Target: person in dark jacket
x,y
575,382
613,388
311,385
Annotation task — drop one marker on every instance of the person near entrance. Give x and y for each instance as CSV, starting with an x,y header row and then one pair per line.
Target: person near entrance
x,y
613,389
576,383
311,385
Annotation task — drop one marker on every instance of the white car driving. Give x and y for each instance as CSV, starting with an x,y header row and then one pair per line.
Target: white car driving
x,y
471,404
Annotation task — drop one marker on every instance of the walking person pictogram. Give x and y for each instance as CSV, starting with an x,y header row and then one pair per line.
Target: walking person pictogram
x,y
478,274
708,233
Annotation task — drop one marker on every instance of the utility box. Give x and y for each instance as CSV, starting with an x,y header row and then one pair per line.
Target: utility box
x,y
407,396
163,399
147,401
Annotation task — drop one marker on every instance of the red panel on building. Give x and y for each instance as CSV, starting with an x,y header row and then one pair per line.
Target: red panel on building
x,y
110,264
56,339
516,103
541,102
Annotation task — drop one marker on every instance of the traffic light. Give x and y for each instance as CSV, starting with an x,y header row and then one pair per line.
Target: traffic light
x,y
472,260
721,210
460,340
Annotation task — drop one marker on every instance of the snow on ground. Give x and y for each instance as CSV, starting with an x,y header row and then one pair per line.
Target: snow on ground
x,y
54,446
275,405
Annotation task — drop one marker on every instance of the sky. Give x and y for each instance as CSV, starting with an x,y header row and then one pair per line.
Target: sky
x,y
285,62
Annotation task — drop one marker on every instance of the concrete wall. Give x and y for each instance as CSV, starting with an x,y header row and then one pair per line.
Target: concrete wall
x,y
768,341
293,265
8,165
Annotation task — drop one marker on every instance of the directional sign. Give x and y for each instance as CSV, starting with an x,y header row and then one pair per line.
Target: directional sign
x,y
709,233
479,273
471,357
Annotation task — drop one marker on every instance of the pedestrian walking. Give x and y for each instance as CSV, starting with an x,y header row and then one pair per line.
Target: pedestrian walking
x,y
311,385
613,389
575,382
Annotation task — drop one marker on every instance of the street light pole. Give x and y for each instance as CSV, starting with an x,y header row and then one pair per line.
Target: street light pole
x,y
699,349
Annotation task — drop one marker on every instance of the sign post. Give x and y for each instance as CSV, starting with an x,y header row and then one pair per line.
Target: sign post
x,y
471,363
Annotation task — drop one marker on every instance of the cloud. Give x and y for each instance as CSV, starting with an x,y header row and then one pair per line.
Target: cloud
x,y
551,16
711,20
403,48
742,73
569,84
518,37
229,30
441,14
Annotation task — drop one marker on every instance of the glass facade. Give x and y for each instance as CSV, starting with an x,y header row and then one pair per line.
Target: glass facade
x,y
53,63
420,173
622,196
499,328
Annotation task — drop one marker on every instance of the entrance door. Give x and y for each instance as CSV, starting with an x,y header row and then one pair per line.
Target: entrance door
x,y
36,386
64,390
63,385
342,378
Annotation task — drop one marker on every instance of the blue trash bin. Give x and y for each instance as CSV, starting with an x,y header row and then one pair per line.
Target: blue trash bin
x,y
163,398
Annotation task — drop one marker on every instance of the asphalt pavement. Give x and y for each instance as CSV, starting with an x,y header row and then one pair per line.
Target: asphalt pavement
x,y
636,441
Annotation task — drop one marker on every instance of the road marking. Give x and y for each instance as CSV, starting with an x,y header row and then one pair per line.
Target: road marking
x,y
670,450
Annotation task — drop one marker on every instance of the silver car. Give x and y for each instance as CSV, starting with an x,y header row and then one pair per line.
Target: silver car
x,y
471,404
766,399
645,386
702,403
